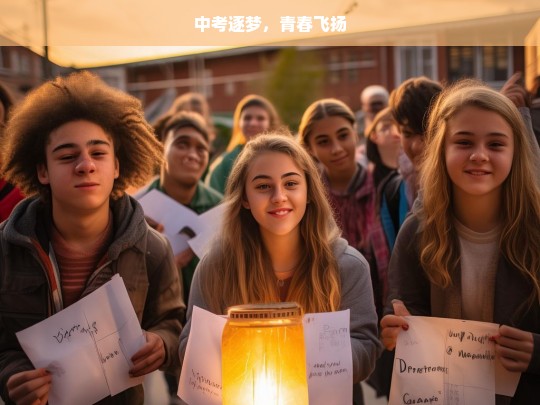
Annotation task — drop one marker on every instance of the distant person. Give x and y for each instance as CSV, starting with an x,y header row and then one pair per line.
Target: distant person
x,y
9,194
373,99
253,116
410,104
73,145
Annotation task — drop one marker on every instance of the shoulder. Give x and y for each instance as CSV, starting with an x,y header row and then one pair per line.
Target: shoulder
x,y
351,263
157,247
209,195
409,231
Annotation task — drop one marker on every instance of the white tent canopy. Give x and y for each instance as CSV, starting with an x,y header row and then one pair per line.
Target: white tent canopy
x,y
88,33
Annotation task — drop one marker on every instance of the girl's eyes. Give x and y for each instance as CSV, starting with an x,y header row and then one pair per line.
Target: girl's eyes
x,y
264,186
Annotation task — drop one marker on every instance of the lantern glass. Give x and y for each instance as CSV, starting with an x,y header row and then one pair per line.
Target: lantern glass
x,y
263,356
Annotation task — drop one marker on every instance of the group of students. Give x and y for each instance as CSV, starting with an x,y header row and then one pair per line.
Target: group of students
x,y
302,221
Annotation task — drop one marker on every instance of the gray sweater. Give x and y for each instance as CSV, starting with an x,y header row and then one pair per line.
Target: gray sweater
x,y
356,295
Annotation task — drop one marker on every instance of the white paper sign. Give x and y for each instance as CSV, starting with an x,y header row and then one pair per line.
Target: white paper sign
x,y
328,357
448,361
176,217
328,348
87,347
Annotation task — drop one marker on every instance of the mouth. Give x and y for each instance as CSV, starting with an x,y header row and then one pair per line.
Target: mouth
x,y
280,212
86,185
477,172
340,159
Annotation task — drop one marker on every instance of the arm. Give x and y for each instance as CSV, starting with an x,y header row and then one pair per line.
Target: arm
x,y
357,295
164,307
195,299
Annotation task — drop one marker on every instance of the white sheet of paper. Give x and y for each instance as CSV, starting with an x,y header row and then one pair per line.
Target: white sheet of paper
x,y
172,215
328,357
87,347
328,345
209,225
200,380
448,360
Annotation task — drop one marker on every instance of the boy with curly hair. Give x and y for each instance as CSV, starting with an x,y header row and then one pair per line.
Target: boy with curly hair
x,y
73,146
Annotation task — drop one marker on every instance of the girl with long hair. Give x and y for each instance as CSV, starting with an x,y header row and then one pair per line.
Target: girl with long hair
x,y
279,242
472,249
253,116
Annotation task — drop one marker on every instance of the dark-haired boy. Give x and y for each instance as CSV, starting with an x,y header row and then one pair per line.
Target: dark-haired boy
x,y
74,145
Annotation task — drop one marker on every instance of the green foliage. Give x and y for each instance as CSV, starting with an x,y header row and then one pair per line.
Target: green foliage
x,y
294,81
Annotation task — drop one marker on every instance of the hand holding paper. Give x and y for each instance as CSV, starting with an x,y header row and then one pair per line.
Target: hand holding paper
x,y
150,357
30,386
514,348
392,324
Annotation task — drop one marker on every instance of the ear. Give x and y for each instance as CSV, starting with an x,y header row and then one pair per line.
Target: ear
x,y
245,204
116,168
42,174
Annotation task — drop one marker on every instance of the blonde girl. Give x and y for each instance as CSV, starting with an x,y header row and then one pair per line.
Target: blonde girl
x,y
279,242
472,251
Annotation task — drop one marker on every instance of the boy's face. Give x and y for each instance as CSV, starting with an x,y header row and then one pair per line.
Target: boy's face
x,y
80,167
186,156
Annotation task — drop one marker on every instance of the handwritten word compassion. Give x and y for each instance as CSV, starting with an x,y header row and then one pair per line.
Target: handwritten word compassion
x,y
66,334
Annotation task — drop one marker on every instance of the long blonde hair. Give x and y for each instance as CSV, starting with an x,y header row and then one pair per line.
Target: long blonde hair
x,y
520,205
251,100
238,268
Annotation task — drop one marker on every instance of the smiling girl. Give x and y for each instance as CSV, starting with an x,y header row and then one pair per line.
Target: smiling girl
x,y
472,251
279,242
328,132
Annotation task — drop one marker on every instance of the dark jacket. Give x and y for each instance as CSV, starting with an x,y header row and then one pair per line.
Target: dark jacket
x,y
141,256
409,283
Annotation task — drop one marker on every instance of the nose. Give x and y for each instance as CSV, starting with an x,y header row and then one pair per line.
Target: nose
x,y
85,165
279,195
479,155
336,147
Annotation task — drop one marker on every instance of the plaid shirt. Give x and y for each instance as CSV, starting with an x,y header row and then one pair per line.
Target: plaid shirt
x,y
356,215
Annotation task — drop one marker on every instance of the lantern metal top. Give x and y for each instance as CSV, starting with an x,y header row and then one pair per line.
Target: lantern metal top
x,y
276,310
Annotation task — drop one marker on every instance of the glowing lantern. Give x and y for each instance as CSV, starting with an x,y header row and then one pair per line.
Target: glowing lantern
x,y
263,356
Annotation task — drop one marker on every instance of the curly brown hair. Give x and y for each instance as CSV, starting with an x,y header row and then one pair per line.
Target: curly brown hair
x,y
79,96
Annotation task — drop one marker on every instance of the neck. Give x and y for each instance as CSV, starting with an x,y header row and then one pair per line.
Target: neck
x,y
179,192
340,181
480,214
390,158
79,228
284,254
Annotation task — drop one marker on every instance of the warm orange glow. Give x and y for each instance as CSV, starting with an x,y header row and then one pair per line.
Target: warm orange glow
x,y
264,362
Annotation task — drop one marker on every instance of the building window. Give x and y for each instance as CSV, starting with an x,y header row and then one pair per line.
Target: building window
x,y
492,64
413,61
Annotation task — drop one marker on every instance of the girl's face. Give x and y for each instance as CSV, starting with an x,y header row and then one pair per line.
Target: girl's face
x,y
276,195
387,136
254,120
333,142
479,148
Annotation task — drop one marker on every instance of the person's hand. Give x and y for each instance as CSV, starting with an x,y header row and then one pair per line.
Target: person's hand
x,y
515,91
514,348
150,357
183,258
392,324
29,387
154,224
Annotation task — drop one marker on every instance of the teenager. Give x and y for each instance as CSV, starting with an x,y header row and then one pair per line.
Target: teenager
x,y
73,146
472,249
253,116
279,242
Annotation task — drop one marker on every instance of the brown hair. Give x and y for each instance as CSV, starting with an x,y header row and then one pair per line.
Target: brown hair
x,y
79,96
